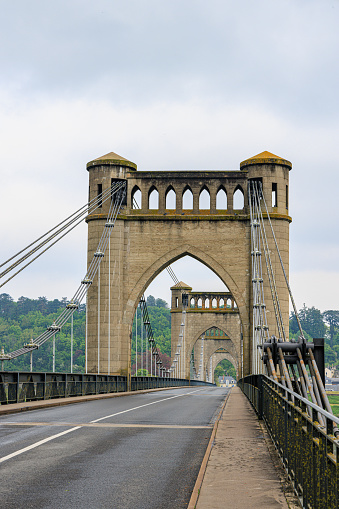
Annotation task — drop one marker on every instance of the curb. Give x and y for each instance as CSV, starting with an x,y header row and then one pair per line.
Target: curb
x,y
34,405
197,487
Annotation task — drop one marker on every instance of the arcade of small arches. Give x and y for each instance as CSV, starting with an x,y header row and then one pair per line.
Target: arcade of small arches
x,y
211,302
214,332
184,199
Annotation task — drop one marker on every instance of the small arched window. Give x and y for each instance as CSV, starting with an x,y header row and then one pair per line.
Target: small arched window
x,y
192,303
204,199
200,303
221,199
171,199
214,303
221,303
153,198
238,199
187,199
229,303
207,303
136,198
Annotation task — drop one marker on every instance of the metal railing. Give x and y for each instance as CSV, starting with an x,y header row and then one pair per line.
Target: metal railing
x,y
19,387
309,451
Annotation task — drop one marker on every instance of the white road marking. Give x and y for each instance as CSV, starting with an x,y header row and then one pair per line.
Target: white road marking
x,y
45,440
147,404
33,446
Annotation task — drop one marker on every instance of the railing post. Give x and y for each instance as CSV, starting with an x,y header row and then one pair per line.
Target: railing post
x,y
261,397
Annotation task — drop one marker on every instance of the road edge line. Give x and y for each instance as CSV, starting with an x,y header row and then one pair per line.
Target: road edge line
x,y
198,483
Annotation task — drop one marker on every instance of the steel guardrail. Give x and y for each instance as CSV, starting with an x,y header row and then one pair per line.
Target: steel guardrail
x,y
18,387
309,452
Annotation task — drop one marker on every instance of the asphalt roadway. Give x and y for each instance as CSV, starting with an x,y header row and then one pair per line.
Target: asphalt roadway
x,y
134,452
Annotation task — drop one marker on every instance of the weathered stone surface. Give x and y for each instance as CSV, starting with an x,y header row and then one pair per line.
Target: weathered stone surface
x,y
145,241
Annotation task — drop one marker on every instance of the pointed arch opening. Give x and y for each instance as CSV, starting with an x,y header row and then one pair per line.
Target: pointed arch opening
x,y
170,199
153,198
238,199
221,199
136,197
204,199
187,199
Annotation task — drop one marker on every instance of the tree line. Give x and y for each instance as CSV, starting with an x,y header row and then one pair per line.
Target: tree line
x,y
28,318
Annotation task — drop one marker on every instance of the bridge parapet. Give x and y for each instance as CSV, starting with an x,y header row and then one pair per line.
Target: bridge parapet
x,y
202,302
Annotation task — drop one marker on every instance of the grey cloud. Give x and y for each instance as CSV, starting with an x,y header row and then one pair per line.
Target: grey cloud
x,y
280,56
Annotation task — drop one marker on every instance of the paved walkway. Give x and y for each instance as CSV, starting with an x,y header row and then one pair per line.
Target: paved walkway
x,y
240,472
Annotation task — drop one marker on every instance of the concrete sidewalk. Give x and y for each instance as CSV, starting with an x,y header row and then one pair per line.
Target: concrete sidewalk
x,y
240,471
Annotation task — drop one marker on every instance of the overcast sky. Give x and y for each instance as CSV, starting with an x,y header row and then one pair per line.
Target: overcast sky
x,y
169,85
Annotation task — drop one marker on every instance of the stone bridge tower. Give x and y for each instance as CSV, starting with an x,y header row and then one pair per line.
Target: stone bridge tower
x,y
147,239
212,315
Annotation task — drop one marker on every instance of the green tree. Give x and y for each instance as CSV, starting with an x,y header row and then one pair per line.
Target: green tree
x,y
150,301
331,317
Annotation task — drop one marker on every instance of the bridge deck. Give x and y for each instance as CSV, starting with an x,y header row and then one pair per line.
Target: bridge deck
x,y
240,472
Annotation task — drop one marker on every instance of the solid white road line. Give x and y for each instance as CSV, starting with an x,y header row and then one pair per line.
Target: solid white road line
x,y
45,440
147,404
33,446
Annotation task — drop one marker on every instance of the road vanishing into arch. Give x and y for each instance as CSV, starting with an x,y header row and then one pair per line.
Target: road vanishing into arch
x,y
132,452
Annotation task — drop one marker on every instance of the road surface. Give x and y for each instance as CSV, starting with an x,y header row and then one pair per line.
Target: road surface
x,y
133,452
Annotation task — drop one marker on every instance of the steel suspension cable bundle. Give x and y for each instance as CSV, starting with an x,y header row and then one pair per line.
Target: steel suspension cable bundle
x,y
119,190
150,336
57,232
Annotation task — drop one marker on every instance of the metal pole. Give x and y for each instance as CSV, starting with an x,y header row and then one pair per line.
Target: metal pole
x,y
109,308
146,348
53,353
99,319
31,361
136,341
86,338
72,344
142,344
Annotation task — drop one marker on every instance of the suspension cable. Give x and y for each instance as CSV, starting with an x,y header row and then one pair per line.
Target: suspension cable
x,y
81,210
97,203
114,209
283,269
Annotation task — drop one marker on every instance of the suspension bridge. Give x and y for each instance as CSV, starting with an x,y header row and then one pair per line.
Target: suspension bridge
x,y
139,223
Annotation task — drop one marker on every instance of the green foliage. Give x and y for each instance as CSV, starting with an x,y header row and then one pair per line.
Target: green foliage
x,y
160,318
225,367
28,318
311,321
142,372
319,325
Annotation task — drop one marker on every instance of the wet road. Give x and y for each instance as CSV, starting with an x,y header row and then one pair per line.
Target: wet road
x,y
142,451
